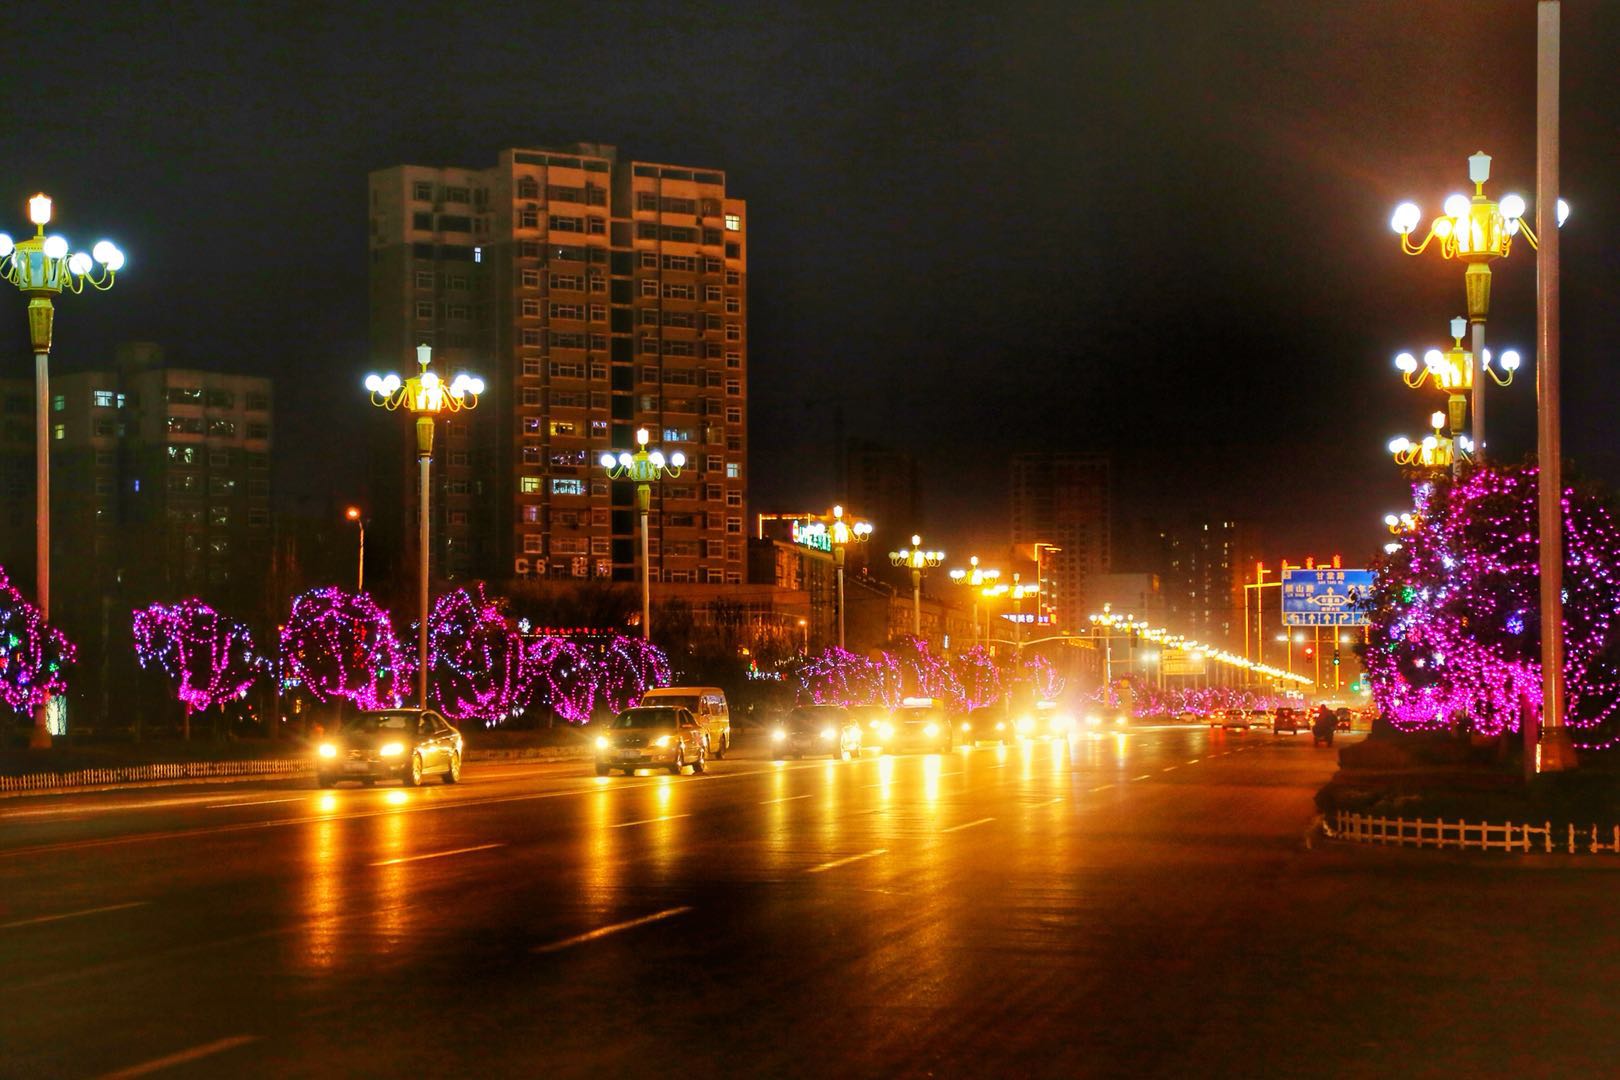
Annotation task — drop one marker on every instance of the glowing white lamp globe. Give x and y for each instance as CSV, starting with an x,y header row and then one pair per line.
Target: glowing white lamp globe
x,y
1563,212
55,247
1406,362
625,460
1400,444
374,383
6,246
1512,206
1405,218
1510,360
475,385
390,383
677,459
79,263
657,459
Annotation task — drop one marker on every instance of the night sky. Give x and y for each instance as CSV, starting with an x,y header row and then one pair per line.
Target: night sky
x,y
1156,228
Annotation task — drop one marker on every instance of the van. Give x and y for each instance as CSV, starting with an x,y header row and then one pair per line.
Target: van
x,y
707,703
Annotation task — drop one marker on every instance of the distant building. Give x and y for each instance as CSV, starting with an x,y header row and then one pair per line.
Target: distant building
x,y
883,483
1201,564
1063,498
1131,594
595,295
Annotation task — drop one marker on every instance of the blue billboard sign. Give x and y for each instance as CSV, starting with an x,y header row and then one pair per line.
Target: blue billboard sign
x,y
1326,597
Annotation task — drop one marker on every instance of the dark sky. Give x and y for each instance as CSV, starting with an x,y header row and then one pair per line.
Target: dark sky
x,y
1153,227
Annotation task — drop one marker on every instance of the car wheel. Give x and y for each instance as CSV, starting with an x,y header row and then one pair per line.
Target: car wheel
x,y
326,781
413,778
700,764
452,774
680,760
602,770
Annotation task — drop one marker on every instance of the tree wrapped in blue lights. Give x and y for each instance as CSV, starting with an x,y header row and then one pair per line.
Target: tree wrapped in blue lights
x,y
208,657
34,656
341,645
479,666
1455,634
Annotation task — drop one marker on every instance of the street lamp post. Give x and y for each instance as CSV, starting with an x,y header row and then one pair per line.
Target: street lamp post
x,y
978,579
426,395
918,560
41,268
1475,231
1452,372
354,515
842,535
644,467
1434,451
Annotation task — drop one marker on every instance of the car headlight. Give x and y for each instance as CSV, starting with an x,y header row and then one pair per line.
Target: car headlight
x,y
931,730
1062,723
1025,724
778,735
1001,725
663,740
603,742
829,734
885,730
328,750
392,749
1120,719
1093,719
966,726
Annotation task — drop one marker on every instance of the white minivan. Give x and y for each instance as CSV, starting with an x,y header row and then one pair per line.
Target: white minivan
x,y
707,703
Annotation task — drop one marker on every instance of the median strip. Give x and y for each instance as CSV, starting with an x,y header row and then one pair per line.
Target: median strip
x,y
836,863
435,855
604,931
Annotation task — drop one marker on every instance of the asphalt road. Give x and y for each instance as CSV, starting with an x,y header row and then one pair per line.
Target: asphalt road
x,y
1128,903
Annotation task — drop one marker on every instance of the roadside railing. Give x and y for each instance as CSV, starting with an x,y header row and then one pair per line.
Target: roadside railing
x,y
134,774
1474,835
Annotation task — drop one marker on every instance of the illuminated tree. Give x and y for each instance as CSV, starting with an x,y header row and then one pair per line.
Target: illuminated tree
x,y
926,674
565,677
979,676
33,655
480,667
341,645
626,668
208,656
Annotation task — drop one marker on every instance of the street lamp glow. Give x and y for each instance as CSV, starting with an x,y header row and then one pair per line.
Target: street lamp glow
x,y
644,468
1512,207
56,247
1456,206
1563,212
39,209
79,263
1406,217
1405,362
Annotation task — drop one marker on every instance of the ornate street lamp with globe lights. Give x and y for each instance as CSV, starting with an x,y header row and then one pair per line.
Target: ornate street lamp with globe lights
x,y
841,535
42,268
1475,231
918,560
1452,371
644,468
1434,451
426,395
980,580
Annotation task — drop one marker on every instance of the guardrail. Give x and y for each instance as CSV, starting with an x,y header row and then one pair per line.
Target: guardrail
x,y
135,774
1474,835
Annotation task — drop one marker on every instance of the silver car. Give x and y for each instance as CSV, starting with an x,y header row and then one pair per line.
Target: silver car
x,y
651,737
402,744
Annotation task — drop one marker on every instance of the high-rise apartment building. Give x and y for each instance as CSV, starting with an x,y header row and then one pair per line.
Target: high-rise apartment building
x,y
595,296
1061,498
883,482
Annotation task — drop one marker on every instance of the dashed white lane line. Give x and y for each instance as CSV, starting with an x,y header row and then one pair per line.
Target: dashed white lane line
x,y
1144,776
604,931
181,1058
650,820
1051,802
1104,787
255,802
435,855
785,798
836,863
968,824
41,919
1192,761
1170,768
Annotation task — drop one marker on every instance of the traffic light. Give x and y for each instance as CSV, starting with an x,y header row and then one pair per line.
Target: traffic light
x,y
1310,651
1335,657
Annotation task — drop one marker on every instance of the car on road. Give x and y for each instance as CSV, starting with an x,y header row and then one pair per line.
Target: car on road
x,y
1230,719
918,724
1342,719
390,744
987,723
817,729
871,718
1045,721
708,707
1287,721
651,737
1187,716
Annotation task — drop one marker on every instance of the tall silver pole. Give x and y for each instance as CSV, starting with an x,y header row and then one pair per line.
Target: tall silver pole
x,y
646,571
916,603
838,560
424,457
360,578
1480,379
1557,751
41,737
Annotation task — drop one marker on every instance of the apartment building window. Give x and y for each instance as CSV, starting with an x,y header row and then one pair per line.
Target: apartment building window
x,y
599,284
733,498
733,222
531,395
562,223
103,399
733,387
221,485
531,514
733,277
567,485
528,249
533,544
733,470
711,265
596,226
598,313
258,519
530,339
733,358
529,279
529,485
104,428
422,191
711,293
456,195
713,463
459,458
711,322
676,290
686,264
568,282
223,428
183,455
568,311
649,287
424,309
599,428
257,402
564,427
531,425
529,219
733,305
531,366
258,431
733,414
530,309
734,526
733,332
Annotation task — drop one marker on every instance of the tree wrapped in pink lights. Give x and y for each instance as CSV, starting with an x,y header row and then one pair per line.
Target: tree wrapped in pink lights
x,y
479,665
208,656
626,668
926,674
840,677
1041,674
341,645
34,656
979,677
565,677
1455,628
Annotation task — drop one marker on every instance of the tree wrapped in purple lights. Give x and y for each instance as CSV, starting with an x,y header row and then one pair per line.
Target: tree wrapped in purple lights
x,y
34,656
341,645
208,656
626,668
840,677
979,677
926,674
1455,632
565,677
480,668
1041,674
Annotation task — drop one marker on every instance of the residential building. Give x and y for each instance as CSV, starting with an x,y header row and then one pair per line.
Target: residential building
x,y
596,296
1061,499
883,482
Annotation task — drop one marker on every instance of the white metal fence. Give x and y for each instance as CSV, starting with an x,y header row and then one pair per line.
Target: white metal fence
x,y
1475,835
131,774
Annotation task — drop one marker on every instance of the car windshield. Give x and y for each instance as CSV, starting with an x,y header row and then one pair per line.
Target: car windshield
x,y
371,723
917,714
815,717
644,718
689,702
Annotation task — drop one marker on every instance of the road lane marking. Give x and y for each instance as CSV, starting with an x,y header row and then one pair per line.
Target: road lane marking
x,y
649,821
1051,802
1170,768
785,798
181,1058
1193,761
836,863
604,931
1105,787
1144,776
969,824
435,855
36,921
259,802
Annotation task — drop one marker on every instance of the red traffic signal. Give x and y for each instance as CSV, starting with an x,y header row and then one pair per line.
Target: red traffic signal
x,y
1310,651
